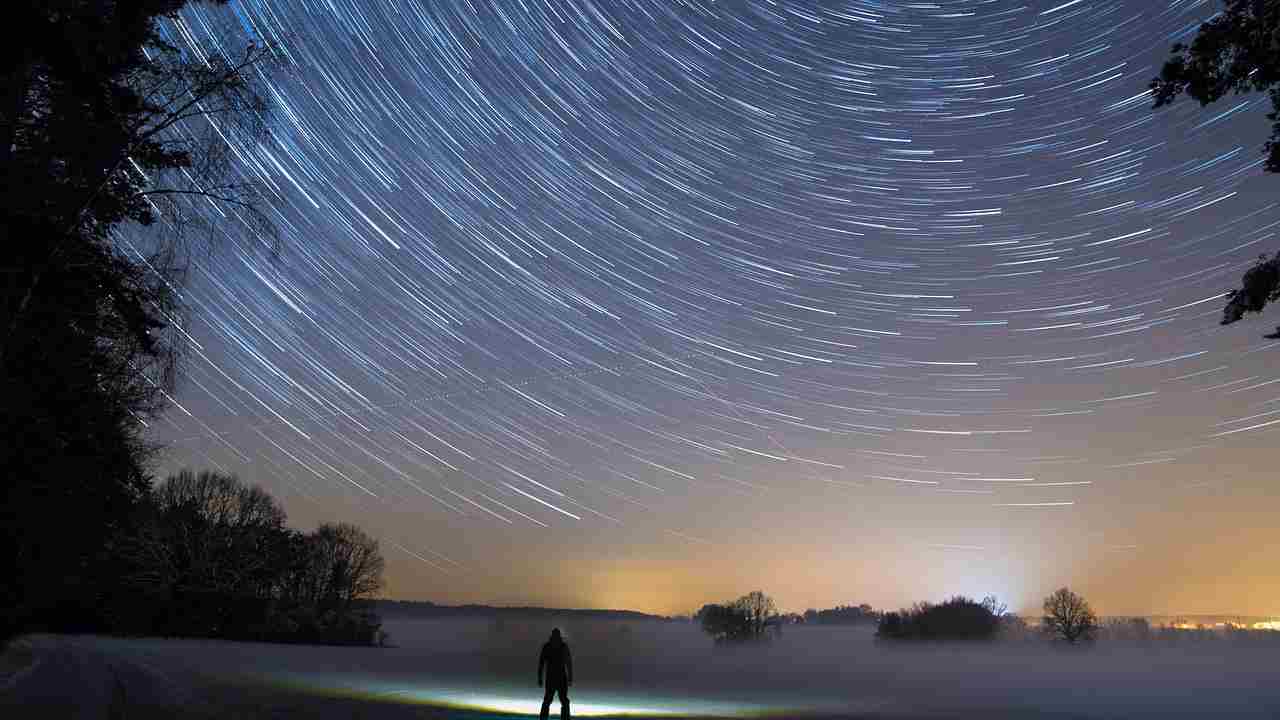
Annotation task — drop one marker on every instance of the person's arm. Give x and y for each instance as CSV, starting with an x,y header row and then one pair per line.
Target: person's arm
x,y
568,665
542,660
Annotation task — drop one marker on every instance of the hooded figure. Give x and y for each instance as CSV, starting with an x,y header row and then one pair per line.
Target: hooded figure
x,y
555,656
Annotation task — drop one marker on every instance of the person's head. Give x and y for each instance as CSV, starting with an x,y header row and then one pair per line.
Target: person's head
x,y
555,635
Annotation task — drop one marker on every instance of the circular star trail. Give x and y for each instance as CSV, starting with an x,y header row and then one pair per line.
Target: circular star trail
x,y
846,300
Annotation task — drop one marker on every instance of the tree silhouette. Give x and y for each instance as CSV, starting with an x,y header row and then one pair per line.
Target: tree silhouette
x,y
99,130
958,618
841,615
1237,51
1067,616
1259,286
346,565
212,557
220,533
102,123
724,622
745,619
758,609
210,548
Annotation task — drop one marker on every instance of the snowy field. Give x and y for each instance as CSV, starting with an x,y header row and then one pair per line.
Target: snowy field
x,y
481,669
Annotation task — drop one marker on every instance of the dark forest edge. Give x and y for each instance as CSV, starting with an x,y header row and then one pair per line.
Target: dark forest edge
x,y
106,133
208,556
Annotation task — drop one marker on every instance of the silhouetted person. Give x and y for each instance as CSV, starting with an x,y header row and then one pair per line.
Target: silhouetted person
x,y
559,663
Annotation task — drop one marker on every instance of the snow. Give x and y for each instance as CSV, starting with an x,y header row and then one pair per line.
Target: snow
x,y
476,668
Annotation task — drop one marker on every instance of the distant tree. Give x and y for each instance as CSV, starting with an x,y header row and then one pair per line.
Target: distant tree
x,y
958,618
751,617
1014,628
842,615
1236,51
1140,629
759,609
892,626
725,623
1067,616
994,606
1126,629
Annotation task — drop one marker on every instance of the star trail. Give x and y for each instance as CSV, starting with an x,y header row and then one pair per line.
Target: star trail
x,y
642,304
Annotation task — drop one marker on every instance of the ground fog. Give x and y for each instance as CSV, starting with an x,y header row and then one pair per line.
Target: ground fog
x,y
652,667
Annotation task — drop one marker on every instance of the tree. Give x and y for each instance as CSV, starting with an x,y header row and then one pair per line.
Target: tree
x,y
958,618
1237,51
1259,286
758,609
1067,616
106,122
346,565
748,618
212,557
219,534
841,615
892,626
102,123
725,623
212,549
72,463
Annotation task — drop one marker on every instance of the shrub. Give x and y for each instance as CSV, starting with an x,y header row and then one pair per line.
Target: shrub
x,y
959,618
751,617
725,623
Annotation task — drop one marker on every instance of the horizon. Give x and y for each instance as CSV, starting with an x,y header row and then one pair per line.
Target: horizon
x,y
1024,613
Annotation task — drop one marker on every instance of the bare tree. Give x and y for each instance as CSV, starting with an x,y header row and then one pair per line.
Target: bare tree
x,y
759,609
346,565
221,533
724,623
1068,616
107,126
148,137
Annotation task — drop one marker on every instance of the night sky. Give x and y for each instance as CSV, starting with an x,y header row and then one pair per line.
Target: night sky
x,y
649,304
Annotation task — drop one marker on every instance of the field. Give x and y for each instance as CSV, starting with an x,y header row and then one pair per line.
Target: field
x,y
484,669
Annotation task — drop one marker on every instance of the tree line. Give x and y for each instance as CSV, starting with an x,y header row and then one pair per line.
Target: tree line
x,y
754,617
751,618
207,555
114,145
841,615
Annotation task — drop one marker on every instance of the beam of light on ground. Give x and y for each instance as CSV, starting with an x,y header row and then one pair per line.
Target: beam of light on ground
x,y
506,700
